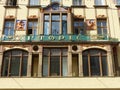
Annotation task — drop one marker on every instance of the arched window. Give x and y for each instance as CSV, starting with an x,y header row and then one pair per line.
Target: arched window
x,y
95,62
15,63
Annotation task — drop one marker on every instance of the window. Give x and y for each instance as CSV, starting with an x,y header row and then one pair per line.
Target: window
x,y
100,2
101,27
55,1
95,62
11,2
54,62
118,2
33,2
55,22
78,26
9,28
32,27
15,63
78,2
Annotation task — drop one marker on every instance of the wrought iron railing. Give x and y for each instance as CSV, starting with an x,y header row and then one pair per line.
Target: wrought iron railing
x,y
56,38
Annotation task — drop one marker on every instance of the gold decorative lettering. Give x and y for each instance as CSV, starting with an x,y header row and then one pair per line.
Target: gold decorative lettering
x,y
70,37
61,37
41,37
78,37
51,38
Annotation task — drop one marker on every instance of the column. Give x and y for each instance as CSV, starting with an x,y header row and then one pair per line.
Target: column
x,y
69,24
80,64
41,23
110,62
1,58
29,67
69,61
40,62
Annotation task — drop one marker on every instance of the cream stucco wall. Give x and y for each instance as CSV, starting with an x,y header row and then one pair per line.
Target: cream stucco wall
x,y
88,12
60,83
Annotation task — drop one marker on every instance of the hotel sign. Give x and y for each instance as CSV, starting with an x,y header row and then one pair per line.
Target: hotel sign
x,y
46,38
58,38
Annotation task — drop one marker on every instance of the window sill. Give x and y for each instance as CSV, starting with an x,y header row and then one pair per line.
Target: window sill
x,y
118,6
100,6
11,6
34,6
78,6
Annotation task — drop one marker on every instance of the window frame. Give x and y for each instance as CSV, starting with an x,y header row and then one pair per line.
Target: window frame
x,y
35,4
100,56
50,23
61,55
8,28
11,3
100,4
32,27
75,3
10,56
102,27
79,27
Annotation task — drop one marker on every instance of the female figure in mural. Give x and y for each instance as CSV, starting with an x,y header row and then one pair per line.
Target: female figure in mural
x,y
20,25
91,24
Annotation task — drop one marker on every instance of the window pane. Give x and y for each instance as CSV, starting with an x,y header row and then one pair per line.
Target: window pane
x,y
79,27
118,2
46,52
64,52
34,2
55,17
94,52
77,2
55,66
5,66
55,0
16,52
104,65
45,66
85,66
55,28
55,52
46,28
64,66
9,28
32,25
64,24
24,66
99,31
95,66
11,2
15,65
100,2
47,17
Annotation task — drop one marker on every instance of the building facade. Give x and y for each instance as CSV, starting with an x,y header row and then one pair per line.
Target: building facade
x,y
68,42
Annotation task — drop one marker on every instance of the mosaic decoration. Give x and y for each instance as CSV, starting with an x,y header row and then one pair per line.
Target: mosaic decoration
x,y
21,25
91,24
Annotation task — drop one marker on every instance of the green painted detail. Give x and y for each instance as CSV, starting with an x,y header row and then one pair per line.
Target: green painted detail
x,y
57,38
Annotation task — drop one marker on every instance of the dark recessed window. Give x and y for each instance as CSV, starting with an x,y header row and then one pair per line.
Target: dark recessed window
x,y
78,26
32,27
15,63
95,62
11,2
54,62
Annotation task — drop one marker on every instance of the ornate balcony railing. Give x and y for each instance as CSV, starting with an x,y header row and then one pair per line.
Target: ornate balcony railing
x,y
56,38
